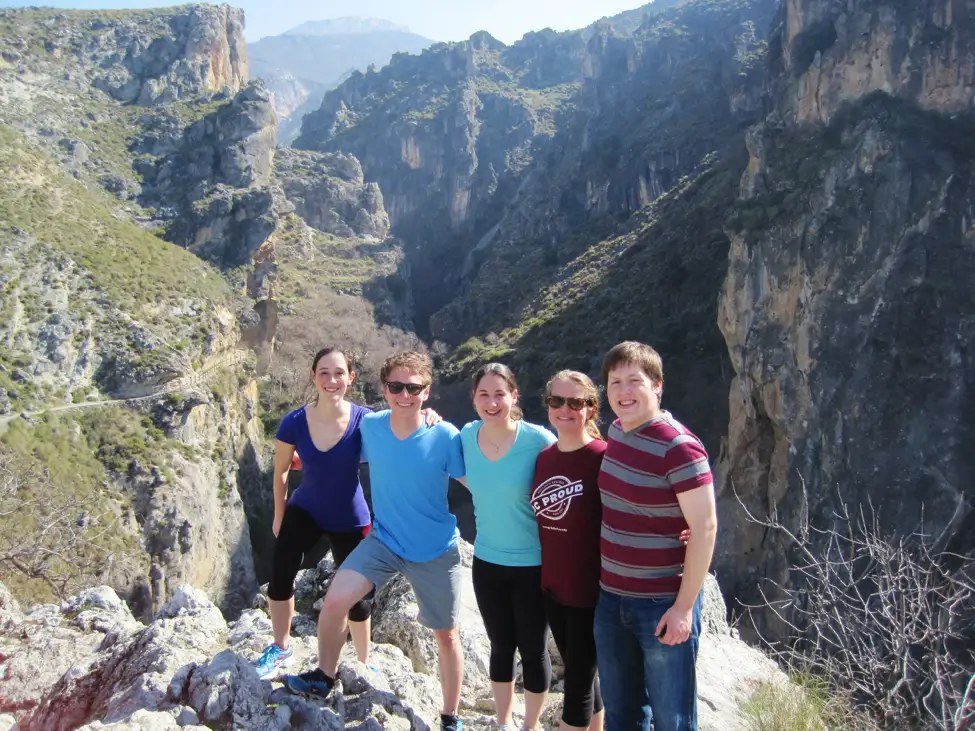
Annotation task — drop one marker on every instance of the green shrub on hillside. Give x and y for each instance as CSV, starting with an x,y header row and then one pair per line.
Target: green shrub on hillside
x,y
138,272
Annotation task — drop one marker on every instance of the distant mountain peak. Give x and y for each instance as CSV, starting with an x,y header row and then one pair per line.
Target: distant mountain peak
x,y
349,24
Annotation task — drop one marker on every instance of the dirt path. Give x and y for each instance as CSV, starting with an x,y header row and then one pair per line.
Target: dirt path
x,y
177,385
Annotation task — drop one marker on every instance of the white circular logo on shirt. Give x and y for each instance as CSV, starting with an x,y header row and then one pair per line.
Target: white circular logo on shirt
x,y
553,497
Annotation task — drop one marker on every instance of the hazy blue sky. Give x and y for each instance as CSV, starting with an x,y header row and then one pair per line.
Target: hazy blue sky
x,y
441,20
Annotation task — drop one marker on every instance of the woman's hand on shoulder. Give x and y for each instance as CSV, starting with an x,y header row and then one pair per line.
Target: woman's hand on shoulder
x,y
432,417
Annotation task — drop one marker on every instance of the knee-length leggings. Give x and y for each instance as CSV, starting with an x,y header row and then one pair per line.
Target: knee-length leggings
x,y
511,605
298,534
573,635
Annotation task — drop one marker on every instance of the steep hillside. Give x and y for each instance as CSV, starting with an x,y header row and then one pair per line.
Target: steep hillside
x,y
301,64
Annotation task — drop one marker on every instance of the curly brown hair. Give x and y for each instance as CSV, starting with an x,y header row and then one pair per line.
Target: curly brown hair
x,y
409,360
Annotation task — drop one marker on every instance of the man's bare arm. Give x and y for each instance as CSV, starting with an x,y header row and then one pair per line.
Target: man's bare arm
x,y
701,516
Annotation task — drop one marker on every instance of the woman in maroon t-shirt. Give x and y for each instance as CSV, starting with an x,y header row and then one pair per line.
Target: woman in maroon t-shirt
x,y
565,498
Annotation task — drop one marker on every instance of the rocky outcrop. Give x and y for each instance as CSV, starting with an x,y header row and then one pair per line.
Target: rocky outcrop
x,y
328,191
212,177
169,56
188,668
146,58
848,303
837,53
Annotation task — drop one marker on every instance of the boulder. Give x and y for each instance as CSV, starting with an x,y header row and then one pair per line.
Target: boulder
x,y
52,641
135,671
145,721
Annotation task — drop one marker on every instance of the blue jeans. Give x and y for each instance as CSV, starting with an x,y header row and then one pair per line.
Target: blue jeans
x,y
642,678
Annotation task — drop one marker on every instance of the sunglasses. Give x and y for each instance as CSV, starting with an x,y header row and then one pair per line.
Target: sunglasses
x,y
576,404
413,389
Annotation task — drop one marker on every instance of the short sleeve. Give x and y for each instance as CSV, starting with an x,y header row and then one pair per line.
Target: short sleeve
x,y
540,436
364,433
455,453
687,464
468,436
547,437
288,429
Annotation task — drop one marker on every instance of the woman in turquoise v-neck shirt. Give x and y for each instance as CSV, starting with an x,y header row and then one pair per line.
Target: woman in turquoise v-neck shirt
x,y
499,456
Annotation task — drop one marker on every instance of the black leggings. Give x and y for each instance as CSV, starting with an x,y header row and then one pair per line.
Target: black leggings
x,y
298,534
510,601
572,631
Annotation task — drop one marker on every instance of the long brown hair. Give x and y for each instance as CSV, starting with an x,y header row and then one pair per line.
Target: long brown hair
x,y
506,375
591,395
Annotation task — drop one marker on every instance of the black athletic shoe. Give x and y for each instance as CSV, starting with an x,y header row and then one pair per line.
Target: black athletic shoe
x,y
451,723
314,684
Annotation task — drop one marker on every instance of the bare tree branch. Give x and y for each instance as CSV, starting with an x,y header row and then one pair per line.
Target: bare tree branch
x,y
887,619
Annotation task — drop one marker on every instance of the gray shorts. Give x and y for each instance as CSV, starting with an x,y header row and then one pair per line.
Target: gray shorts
x,y
436,583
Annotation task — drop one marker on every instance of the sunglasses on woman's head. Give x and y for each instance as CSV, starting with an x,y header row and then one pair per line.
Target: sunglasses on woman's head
x,y
411,388
576,404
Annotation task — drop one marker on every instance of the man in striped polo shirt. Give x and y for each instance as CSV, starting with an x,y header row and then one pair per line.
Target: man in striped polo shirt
x,y
654,483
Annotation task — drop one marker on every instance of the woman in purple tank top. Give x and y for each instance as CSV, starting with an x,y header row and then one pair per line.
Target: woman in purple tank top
x,y
325,436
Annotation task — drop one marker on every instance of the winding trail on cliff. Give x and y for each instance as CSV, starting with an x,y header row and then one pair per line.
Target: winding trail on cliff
x,y
177,385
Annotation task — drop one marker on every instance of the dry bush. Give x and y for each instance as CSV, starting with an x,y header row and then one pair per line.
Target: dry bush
x,y
886,620
337,320
50,534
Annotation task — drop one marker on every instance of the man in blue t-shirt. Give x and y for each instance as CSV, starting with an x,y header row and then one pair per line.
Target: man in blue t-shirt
x,y
414,533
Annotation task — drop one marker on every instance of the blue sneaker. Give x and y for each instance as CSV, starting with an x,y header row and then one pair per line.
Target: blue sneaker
x,y
451,723
273,659
313,684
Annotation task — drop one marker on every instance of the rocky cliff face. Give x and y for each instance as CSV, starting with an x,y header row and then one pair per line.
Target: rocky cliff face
x,y
149,57
329,193
847,306
836,53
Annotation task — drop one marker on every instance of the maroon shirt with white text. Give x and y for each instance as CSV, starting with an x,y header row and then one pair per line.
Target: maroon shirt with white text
x,y
565,498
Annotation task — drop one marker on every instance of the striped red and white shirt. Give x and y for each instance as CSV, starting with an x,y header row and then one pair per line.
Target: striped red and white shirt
x,y
642,472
